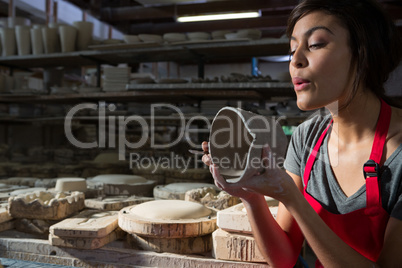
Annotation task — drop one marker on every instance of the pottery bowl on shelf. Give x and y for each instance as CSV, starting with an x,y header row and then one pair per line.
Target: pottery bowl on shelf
x,y
220,34
174,37
231,36
236,141
131,39
249,33
151,38
194,36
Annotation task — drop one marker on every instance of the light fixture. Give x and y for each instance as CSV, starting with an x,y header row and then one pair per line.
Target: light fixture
x,y
221,16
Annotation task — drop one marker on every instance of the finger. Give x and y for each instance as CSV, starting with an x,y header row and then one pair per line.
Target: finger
x,y
217,176
204,146
211,169
206,159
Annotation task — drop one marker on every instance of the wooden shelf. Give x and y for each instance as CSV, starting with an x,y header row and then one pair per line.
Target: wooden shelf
x,y
167,93
181,52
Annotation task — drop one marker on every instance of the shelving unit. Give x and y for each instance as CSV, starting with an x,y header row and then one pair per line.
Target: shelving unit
x,y
182,53
198,52
153,52
189,92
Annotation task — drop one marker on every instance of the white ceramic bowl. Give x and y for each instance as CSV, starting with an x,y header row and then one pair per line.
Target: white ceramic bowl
x,y
231,36
194,36
249,33
236,141
150,38
174,37
220,34
131,39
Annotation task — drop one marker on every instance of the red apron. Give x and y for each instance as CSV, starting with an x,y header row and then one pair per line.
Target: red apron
x,y
364,228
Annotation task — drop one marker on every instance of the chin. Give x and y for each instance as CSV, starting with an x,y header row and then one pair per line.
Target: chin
x,y
308,104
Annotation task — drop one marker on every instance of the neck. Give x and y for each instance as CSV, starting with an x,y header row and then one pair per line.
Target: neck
x,y
356,122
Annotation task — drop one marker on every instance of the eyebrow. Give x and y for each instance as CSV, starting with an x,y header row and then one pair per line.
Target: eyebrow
x,y
309,32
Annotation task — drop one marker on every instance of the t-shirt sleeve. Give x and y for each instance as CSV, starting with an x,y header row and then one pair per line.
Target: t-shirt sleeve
x,y
293,155
397,210
396,173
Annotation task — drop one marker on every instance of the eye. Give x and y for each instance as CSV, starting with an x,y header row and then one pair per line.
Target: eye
x,y
316,46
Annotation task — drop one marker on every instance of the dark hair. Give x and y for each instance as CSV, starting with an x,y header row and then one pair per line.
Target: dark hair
x,y
374,39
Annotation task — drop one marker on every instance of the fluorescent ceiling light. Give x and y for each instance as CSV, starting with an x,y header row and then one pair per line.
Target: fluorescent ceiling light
x,y
223,16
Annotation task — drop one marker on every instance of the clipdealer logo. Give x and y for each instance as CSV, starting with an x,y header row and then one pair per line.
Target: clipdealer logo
x,y
112,134
112,129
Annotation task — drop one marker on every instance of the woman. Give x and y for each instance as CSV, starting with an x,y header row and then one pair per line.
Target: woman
x,y
341,54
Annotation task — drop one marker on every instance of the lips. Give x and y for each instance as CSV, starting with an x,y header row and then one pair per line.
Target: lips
x,y
300,83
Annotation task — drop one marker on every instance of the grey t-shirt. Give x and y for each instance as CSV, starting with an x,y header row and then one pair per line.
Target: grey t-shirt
x,y
323,185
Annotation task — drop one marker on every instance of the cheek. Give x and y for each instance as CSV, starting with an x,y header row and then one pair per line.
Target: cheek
x,y
334,70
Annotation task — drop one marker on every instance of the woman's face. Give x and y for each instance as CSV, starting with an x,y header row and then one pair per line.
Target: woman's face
x,y
321,66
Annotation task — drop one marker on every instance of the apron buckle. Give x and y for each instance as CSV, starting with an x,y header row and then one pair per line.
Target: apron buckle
x,y
371,169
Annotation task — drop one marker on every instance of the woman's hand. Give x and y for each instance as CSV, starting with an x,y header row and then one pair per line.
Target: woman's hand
x,y
231,188
272,181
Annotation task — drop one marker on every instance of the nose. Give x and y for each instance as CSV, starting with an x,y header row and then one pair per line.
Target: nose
x,y
298,59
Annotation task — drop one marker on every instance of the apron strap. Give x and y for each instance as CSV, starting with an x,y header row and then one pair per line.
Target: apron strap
x,y
371,169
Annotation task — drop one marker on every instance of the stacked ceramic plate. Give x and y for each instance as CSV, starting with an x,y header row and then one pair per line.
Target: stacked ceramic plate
x,y
174,37
197,36
220,34
151,38
116,78
212,107
252,34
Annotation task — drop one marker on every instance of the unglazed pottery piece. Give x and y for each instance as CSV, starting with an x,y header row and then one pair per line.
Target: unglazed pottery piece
x,y
115,202
122,184
68,35
45,205
84,34
51,41
178,190
234,219
37,40
23,38
236,141
8,41
188,245
170,210
168,219
4,215
235,247
88,223
86,242
71,184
